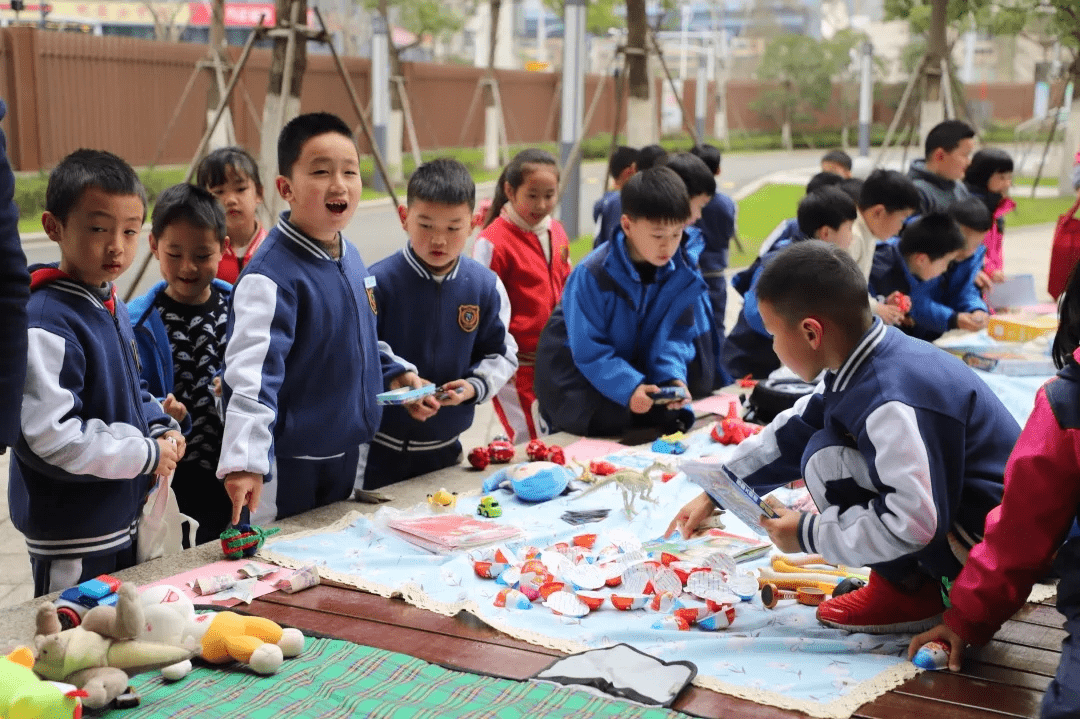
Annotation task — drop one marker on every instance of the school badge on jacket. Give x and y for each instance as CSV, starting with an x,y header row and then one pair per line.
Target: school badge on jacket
x,y
369,285
468,317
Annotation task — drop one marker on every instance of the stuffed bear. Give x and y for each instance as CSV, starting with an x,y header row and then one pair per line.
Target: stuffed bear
x,y
102,653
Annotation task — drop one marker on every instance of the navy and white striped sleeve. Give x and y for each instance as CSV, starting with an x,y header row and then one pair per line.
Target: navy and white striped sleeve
x,y
52,425
773,457
495,347
260,336
901,468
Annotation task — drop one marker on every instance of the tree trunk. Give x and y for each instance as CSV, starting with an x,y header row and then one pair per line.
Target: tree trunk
x,y
1072,135
278,95
491,110
641,126
395,129
933,106
223,134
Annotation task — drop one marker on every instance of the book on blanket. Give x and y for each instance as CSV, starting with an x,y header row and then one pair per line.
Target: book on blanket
x,y
451,532
709,541
729,492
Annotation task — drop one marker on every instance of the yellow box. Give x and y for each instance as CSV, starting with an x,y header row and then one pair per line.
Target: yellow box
x,y
1020,327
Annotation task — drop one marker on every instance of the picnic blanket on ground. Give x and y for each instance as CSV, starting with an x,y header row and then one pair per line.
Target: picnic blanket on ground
x,y
335,678
780,657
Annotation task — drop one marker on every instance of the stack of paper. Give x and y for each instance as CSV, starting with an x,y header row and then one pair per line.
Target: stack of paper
x,y
450,532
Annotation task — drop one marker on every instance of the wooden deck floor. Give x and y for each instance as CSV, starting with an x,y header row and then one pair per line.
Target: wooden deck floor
x,y
1007,677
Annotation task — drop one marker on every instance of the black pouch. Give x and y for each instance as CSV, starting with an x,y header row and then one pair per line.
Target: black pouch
x,y
770,397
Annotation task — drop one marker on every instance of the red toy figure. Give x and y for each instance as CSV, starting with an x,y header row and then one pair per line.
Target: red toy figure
x,y
900,301
500,450
536,450
748,381
601,468
479,457
732,429
555,454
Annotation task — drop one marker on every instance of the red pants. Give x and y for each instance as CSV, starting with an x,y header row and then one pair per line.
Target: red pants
x,y
516,406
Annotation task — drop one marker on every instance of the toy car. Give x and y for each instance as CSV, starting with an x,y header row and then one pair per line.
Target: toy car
x,y
489,507
74,602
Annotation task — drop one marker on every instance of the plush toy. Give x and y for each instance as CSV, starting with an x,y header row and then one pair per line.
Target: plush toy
x,y
102,653
244,540
532,481
23,695
217,637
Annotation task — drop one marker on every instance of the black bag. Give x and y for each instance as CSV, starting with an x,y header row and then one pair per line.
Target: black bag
x,y
770,397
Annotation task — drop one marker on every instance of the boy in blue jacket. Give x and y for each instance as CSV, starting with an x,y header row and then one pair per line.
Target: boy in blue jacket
x,y
14,293
608,209
717,224
180,330
902,447
93,438
449,315
912,264
827,214
626,322
954,300
303,363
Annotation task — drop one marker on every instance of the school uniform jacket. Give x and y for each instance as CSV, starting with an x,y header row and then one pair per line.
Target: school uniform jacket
x,y
1041,500
85,459
935,192
999,206
232,264
14,294
534,284
948,294
717,225
152,339
453,328
302,360
621,332
607,214
900,447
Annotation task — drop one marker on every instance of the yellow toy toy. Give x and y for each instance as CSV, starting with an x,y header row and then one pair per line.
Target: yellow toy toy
x,y
23,695
442,501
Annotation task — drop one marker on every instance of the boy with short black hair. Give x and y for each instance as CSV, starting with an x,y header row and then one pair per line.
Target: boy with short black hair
x,y
607,210
837,162
179,326
953,300
939,176
650,156
593,377
826,214
786,232
447,313
92,439
923,252
903,448
302,361
886,199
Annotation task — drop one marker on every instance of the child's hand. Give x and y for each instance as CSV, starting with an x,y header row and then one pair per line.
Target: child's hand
x,y
972,321
982,281
682,402
889,314
941,633
998,276
174,407
696,511
217,386
422,409
784,530
640,401
178,441
168,456
458,391
243,488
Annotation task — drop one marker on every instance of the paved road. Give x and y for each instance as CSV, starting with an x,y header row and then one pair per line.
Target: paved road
x,y
377,232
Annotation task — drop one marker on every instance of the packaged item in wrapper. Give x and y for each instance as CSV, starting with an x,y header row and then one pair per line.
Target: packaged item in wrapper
x,y
298,580
213,585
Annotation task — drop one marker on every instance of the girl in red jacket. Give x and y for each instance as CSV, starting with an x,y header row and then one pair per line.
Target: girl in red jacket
x,y
989,177
529,252
1032,524
232,176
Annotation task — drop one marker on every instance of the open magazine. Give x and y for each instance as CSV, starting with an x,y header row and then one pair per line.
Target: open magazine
x,y
708,542
729,492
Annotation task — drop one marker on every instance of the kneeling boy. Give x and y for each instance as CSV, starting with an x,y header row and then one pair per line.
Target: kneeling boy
x,y
903,447
626,322
446,313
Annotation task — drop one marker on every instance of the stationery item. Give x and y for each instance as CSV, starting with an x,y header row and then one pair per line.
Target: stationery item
x,y
451,532
729,492
405,395
1016,291
1013,363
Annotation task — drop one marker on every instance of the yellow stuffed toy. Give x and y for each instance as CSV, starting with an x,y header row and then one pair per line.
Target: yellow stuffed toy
x,y
24,696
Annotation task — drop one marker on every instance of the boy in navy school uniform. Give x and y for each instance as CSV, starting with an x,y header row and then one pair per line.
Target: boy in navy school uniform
x,y
826,214
940,174
14,294
303,363
717,224
902,447
954,300
909,265
608,209
180,330
449,315
93,438
594,373
837,162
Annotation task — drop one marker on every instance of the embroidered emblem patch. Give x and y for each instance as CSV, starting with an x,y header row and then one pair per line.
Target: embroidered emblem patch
x,y
468,317
565,253
371,300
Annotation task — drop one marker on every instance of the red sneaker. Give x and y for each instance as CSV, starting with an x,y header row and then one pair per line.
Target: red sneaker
x,y
882,608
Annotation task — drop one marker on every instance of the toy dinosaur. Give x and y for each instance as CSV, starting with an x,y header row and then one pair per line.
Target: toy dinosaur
x,y
733,429
632,483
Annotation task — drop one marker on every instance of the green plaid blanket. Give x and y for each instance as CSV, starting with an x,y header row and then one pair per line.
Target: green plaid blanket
x,y
335,678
